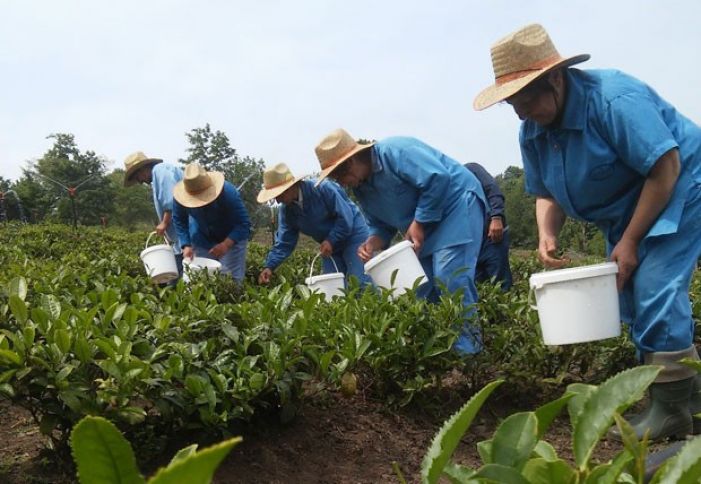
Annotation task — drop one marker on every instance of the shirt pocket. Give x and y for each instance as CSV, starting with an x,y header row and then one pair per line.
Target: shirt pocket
x,y
602,172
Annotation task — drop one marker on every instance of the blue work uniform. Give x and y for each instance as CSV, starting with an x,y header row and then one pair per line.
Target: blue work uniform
x,y
164,177
493,262
411,180
613,130
323,213
204,227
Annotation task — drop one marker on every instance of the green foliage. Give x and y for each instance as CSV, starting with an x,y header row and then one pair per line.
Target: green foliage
x,y
515,454
103,455
66,184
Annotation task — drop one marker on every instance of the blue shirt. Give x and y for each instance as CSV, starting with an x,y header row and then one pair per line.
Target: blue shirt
x,y
326,214
224,217
410,181
594,164
163,178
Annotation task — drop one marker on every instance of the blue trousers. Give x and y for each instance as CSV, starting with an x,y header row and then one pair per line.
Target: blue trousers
x,y
655,303
233,262
493,262
348,261
455,267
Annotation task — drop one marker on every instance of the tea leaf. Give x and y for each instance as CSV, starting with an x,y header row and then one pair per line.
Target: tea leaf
x,y
102,454
18,287
198,467
614,395
448,437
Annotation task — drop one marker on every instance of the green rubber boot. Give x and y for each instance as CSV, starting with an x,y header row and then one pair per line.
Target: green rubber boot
x,y
667,414
695,404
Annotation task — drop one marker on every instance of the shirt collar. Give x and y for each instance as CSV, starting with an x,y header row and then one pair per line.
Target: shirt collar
x,y
300,198
375,161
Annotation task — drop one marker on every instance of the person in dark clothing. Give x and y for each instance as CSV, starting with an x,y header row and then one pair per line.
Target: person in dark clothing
x,y
493,261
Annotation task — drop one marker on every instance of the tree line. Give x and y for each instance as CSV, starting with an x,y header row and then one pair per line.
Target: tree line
x,y
71,186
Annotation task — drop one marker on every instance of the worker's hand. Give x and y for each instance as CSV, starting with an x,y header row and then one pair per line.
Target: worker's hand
x,y
625,254
161,228
326,249
188,253
265,275
222,248
495,233
415,233
547,253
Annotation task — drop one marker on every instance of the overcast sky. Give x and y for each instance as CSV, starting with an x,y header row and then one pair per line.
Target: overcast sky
x,y
276,76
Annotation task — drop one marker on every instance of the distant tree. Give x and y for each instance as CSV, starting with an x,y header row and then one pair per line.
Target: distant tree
x,y
133,206
212,150
519,208
67,184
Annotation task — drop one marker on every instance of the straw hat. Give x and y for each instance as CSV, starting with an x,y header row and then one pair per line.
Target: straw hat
x,y
134,163
275,181
198,187
334,149
519,59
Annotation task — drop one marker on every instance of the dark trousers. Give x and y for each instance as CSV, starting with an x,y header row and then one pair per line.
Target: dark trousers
x,y
493,262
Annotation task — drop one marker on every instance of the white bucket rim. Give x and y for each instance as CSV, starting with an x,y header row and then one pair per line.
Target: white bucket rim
x,y
386,254
540,279
324,277
155,248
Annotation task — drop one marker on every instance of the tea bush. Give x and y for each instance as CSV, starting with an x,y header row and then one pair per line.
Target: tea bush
x,y
83,331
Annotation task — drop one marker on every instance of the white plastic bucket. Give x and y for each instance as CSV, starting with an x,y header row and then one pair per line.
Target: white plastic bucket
x,y
577,305
402,258
196,264
159,261
329,285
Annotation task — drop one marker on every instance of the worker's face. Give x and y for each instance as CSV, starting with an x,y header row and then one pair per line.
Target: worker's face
x,y
289,195
540,104
143,175
351,173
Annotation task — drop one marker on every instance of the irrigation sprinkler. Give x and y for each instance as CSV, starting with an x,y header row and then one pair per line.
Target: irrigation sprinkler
x,y
72,191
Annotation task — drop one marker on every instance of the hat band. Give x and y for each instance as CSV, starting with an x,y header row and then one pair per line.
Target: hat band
x,y
538,66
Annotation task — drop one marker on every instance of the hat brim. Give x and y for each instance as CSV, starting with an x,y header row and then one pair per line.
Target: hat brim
x,y
200,199
329,169
128,180
499,92
267,194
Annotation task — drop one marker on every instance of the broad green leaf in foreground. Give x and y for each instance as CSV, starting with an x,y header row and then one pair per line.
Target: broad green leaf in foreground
x,y
684,468
448,437
615,394
102,454
196,468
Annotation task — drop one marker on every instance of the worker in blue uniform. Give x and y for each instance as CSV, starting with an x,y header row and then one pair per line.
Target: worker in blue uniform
x,y
603,147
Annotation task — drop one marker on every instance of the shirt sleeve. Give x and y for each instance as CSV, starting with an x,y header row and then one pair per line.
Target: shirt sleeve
x,y
285,242
491,189
421,169
237,214
181,222
163,189
339,206
379,228
636,130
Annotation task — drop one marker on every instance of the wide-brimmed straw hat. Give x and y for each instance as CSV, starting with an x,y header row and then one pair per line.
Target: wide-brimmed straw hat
x,y
275,181
519,59
134,163
198,187
335,148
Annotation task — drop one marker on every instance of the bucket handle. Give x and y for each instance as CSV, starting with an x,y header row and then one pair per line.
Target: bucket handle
x,y
151,235
531,293
311,268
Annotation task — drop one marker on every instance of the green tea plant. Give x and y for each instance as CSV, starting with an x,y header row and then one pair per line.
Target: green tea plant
x,y
517,453
103,455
